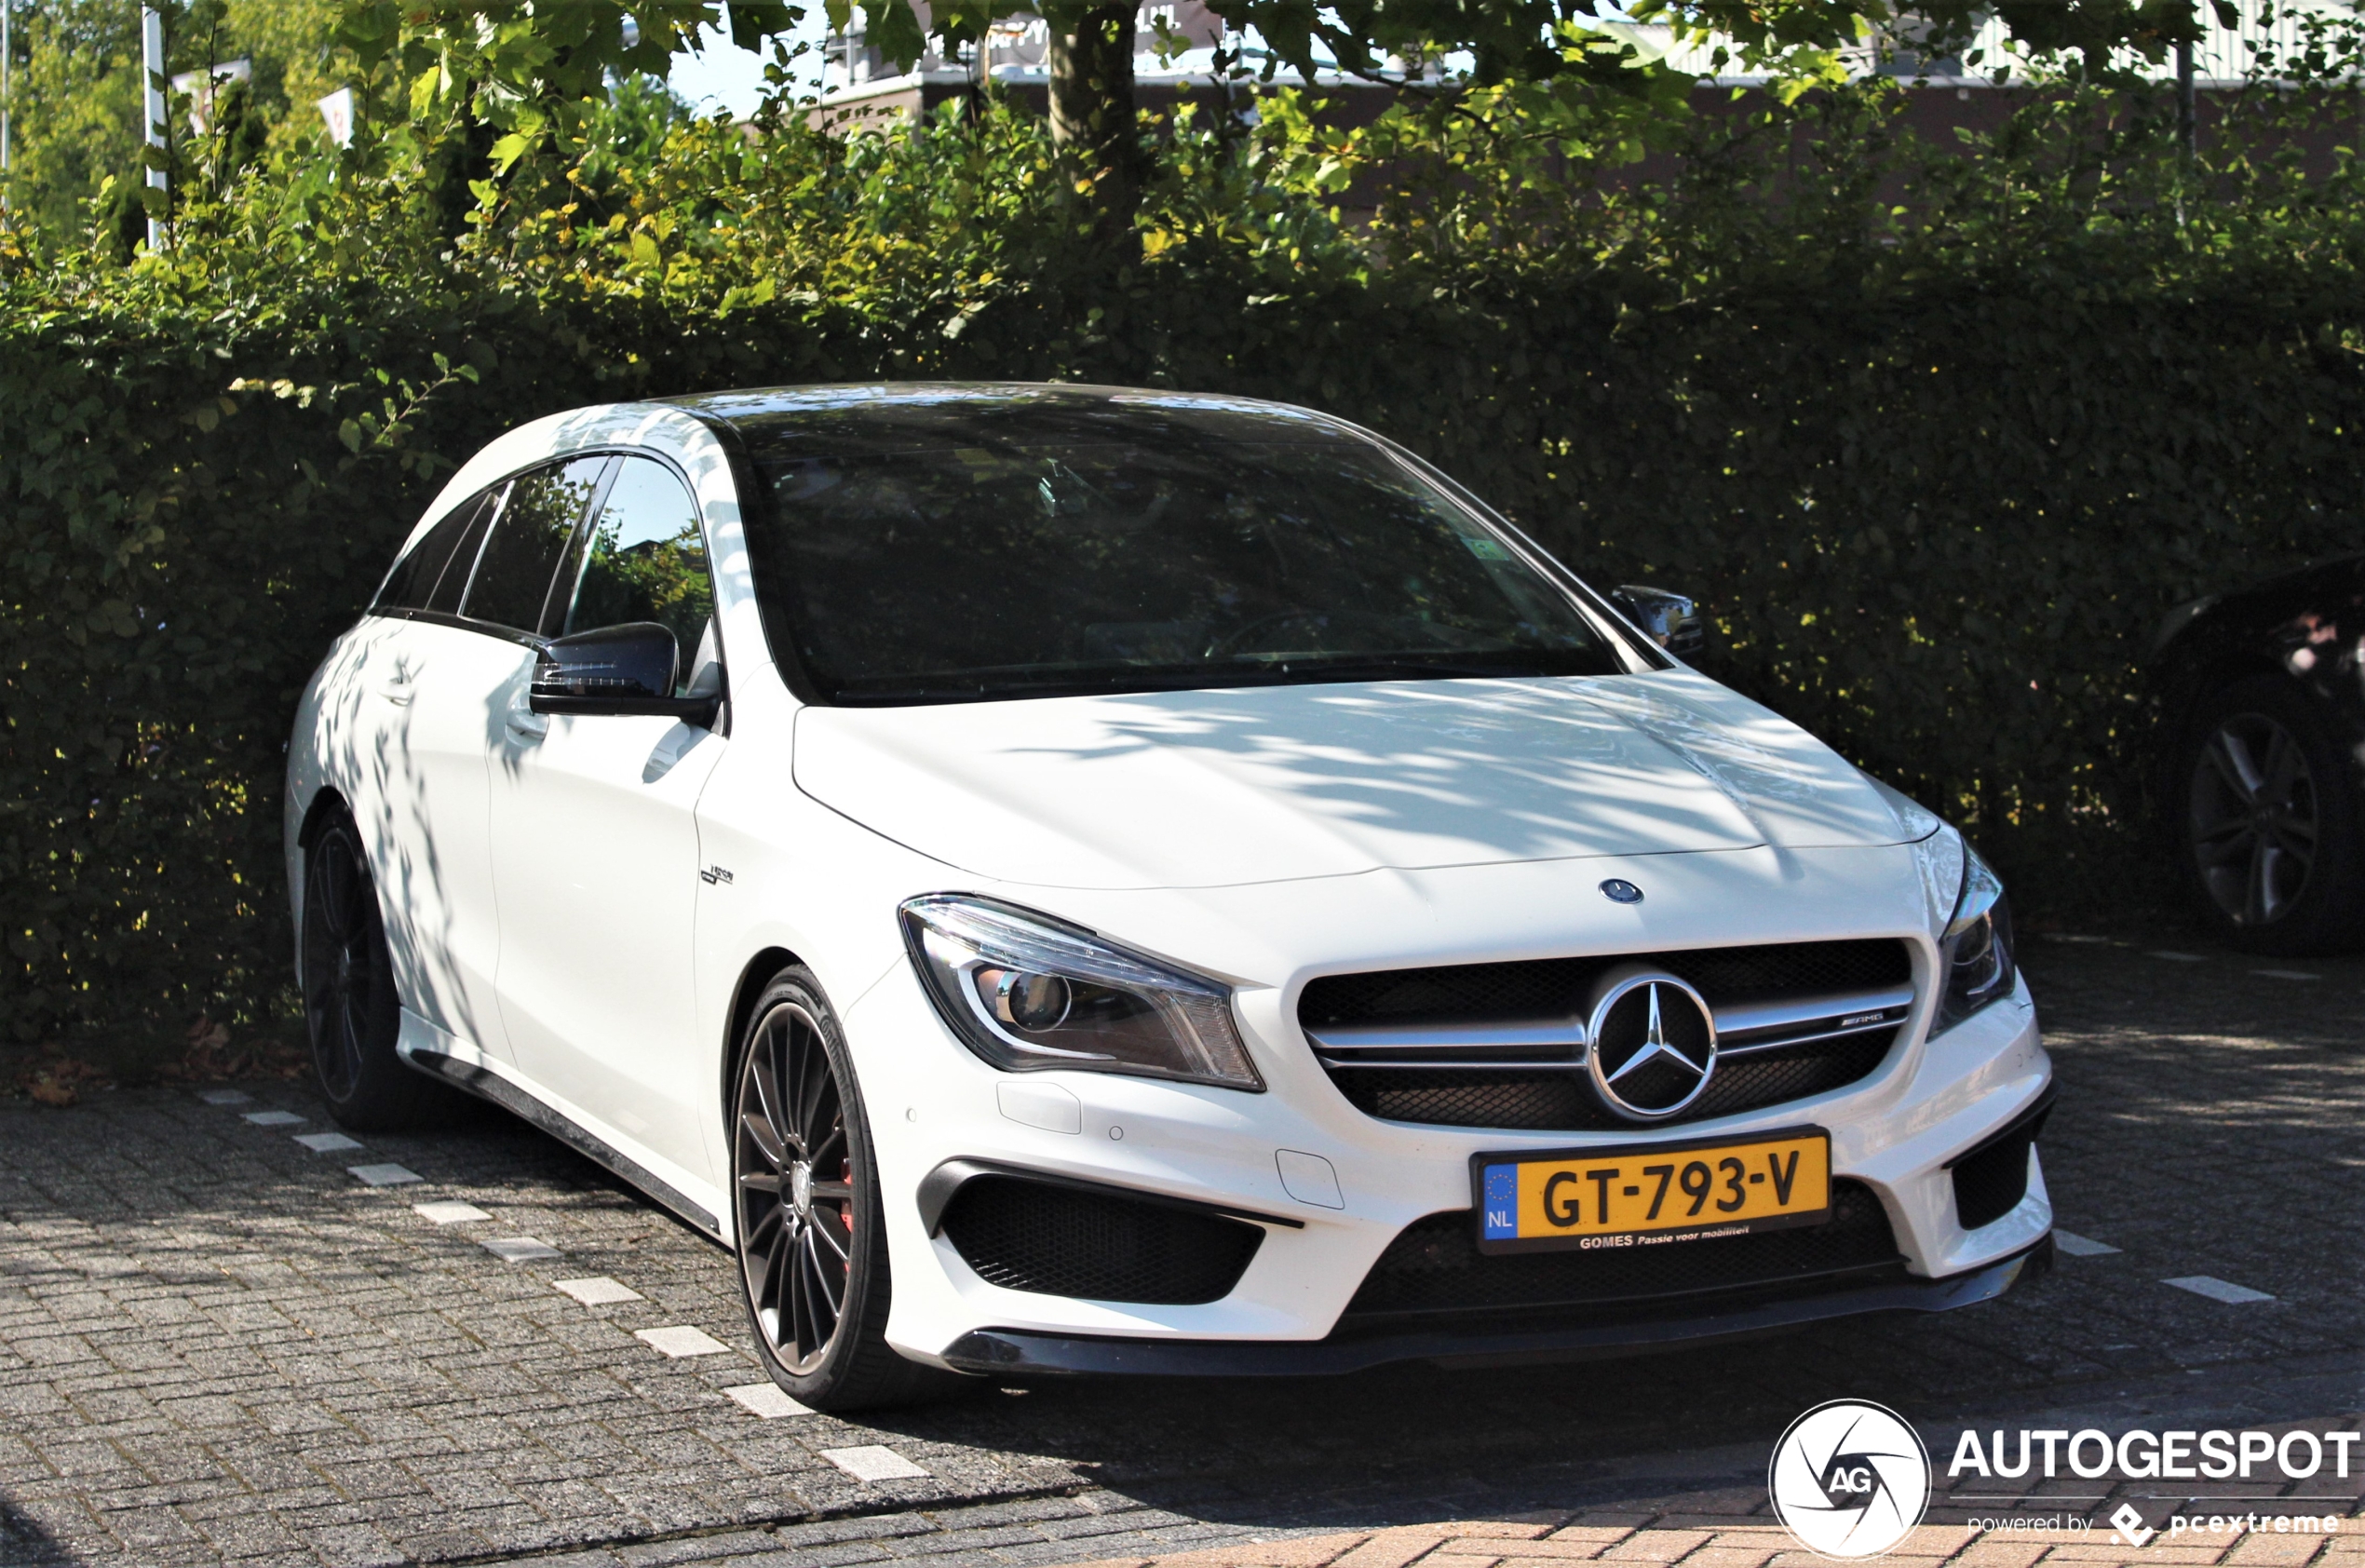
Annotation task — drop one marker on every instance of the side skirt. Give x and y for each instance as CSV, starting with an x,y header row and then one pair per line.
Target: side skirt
x,y
485,1084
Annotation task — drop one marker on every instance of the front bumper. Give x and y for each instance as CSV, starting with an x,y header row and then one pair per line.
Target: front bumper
x,y
1010,1352
1895,1134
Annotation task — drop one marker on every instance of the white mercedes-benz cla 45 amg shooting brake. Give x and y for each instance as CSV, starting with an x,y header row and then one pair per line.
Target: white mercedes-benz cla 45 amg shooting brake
x,y
1077,879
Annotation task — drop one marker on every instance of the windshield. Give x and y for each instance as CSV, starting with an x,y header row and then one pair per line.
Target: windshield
x,y
1018,569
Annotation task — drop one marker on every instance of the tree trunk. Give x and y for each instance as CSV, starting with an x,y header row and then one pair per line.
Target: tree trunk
x,y
1092,107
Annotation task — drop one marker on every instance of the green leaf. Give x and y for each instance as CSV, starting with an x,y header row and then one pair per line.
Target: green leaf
x,y
509,149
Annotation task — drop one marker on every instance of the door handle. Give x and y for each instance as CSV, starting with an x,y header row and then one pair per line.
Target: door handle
x,y
398,688
524,726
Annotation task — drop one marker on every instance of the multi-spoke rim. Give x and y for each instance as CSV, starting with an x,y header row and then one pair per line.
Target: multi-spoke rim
x,y
340,962
2254,819
795,1185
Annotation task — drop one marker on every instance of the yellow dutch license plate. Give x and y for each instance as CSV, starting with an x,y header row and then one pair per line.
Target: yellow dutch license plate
x,y
1648,1194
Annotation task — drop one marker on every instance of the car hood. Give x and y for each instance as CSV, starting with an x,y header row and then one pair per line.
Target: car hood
x,y
1265,784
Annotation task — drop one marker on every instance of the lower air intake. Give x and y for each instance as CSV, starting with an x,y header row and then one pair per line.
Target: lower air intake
x,y
1056,1240
1991,1180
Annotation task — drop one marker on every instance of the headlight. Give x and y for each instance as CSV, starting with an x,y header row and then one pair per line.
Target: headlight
x,y
1977,956
1026,993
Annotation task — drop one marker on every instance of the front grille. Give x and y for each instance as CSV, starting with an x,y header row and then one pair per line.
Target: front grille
x,y
1502,1044
1057,1240
1565,1101
1434,1268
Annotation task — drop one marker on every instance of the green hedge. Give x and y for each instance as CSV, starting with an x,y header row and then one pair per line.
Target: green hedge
x,y
1934,511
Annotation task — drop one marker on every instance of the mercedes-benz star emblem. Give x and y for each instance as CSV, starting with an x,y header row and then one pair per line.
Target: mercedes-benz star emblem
x,y
1653,1043
1617,890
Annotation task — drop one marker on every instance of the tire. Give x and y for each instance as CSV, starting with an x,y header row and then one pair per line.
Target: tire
x,y
2267,821
351,1011
807,1219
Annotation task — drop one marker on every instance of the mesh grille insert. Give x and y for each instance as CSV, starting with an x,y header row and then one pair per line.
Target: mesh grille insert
x,y
1564,1101
1059,1242
1434,1266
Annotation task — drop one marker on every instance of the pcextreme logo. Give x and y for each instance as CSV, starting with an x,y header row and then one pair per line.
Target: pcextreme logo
x,y
1850,1478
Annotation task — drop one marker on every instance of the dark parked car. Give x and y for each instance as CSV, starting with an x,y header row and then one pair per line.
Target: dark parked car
x,y
2262,694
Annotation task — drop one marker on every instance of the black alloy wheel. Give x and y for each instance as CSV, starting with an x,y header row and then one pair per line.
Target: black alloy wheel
x,y
2255,820
796,1189
812,1241
2270,824
352,1013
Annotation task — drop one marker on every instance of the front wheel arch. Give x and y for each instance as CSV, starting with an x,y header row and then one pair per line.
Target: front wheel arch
x,y
755,975
854,1368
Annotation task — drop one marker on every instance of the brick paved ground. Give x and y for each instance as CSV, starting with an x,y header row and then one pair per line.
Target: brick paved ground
x,y
1544,1541
216,1345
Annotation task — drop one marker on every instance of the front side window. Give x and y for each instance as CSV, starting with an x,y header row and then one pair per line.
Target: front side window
x,y
1019,567
512,586
644,560
432,572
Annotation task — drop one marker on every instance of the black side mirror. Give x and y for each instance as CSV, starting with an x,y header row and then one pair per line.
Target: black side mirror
x,y
1668,620
627,668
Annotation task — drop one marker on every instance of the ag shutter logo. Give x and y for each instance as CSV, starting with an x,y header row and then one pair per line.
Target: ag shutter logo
x,y
1850,1478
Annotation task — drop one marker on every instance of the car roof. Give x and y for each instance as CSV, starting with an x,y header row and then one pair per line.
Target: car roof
x,y
875,418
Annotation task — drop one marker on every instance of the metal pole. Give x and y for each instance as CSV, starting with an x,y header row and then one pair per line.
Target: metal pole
x,y
2188,130
151,57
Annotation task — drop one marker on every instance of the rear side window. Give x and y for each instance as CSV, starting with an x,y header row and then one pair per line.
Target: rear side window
x,y
446,550
513,579
646,561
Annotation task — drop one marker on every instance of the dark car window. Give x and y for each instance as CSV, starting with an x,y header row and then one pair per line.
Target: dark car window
x,y
645,560
411,585
513,577
1188,558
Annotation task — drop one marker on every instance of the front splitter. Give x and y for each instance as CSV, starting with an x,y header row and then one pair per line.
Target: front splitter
x,y
1008,1352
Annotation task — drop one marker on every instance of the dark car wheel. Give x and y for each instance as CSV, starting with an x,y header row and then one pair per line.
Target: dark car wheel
x,y
812,1240
351,1011
2269,821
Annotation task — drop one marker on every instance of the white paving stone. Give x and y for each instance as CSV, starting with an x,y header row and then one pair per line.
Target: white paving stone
x,y
767,1400
274,1118
385,1175
2078,1246
600,1292
519,1248
327,1143
226,1097
451,1213
2217,1289
2286,974
873,1462
2179,957
680,1339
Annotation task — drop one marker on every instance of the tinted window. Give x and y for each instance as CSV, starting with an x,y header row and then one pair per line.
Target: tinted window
x,y
413,583
529,537
1185,559
646,561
